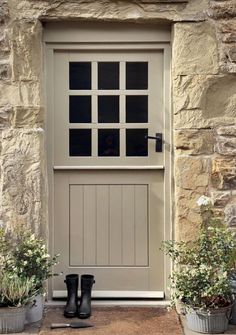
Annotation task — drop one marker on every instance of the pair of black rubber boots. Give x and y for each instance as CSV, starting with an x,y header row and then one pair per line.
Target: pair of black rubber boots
x,y
83,311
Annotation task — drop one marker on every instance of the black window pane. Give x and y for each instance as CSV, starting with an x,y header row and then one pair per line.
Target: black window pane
x,y
108,109
108,75
136,143
80,109
80,75
136,75
108,142
137,108
80,142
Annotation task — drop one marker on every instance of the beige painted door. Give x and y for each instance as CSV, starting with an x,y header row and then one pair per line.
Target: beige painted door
x,y
108,177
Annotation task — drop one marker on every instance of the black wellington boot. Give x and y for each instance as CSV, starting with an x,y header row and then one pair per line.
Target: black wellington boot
x,y
71,308
87,282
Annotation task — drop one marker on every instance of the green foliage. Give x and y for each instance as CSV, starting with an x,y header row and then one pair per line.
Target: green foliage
x,y
201,268
30,259
14,290
25,265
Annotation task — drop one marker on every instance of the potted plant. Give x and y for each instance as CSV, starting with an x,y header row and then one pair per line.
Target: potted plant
x,y
15,293
29,259
200,279
24,257
232,277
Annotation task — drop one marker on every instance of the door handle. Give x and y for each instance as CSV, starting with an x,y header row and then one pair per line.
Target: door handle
x,y
158,139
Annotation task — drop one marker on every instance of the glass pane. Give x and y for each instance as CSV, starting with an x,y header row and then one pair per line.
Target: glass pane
x,y
136,75
108,75
108,108
80,109
137,108
80,75
136,143
80,142
108,142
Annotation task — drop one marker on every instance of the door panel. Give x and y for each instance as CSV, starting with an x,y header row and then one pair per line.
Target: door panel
x,y
112,227
109,229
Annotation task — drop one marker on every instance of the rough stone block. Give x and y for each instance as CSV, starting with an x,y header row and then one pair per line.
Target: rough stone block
x,y
189,91
5,71
194,142
194,119
30,93
4,44
23,176
222,9
190,54
27,117
206,97
220,199
232,54
27,50
226,140
4,11
224,173
192,173
9,94
5,113
227,131
226,146
187,215
230,215
229,38
227,26
220,97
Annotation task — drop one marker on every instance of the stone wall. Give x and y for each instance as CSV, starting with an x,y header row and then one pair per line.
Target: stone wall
x,y
203,99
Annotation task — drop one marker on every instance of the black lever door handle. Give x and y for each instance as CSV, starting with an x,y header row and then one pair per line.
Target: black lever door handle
x,y
158,139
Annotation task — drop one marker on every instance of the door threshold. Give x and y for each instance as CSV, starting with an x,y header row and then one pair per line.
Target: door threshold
x,y
116,294
118,302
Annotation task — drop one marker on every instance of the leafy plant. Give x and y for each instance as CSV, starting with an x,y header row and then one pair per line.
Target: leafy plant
x,y
201,268
29,259
15,291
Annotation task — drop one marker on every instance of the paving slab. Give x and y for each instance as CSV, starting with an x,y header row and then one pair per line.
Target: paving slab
x,y
118,321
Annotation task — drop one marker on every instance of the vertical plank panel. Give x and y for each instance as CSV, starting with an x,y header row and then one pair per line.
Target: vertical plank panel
x,y
141,225
76,225
128,232
102,225
115,225
89,224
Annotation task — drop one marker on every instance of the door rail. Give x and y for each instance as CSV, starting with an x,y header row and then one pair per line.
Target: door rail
x,y
116,167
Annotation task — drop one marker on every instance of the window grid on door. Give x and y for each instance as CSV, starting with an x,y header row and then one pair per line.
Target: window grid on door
x,y
108,108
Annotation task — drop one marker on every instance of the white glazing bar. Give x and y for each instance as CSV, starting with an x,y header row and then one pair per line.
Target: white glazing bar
x,y
94,143
94,108
122,143
122,109
122,76
94,75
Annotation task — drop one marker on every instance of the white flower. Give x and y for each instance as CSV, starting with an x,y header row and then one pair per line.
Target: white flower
x,y
204,201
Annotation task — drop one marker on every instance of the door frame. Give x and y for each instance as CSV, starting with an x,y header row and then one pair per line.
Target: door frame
x,y
65,37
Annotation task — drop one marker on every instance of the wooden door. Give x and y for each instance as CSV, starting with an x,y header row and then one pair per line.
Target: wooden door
x,y
108,176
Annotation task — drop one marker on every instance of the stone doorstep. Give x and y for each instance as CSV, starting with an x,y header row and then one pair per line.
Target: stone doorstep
x,y
113,320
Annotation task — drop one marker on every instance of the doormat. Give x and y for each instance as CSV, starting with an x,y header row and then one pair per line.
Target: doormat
x,y
117,321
